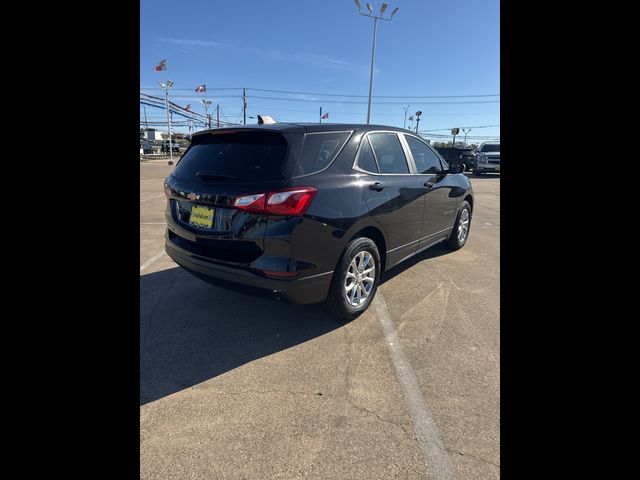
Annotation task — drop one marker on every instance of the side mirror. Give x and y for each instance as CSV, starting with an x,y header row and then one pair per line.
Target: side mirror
x,y
456,168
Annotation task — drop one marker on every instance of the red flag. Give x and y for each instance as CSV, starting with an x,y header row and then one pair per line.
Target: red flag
x,y
326,115
161,66
201,88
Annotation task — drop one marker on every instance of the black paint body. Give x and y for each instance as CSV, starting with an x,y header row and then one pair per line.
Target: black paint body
x,y
412,212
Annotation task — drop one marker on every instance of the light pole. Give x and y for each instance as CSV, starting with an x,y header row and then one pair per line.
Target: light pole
x,y
466,131
405,116
166,86
373,49
206,104
418,113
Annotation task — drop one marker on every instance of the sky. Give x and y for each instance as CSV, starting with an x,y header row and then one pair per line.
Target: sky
x,y
431,48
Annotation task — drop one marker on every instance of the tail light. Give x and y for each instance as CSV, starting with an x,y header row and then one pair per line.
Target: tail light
x,y
288,201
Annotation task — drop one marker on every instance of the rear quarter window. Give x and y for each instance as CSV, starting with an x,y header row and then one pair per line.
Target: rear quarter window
x,y
318,151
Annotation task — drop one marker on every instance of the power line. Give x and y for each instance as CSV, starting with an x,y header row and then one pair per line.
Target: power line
x,y
442,129
191,89
374,96
336,94
377,103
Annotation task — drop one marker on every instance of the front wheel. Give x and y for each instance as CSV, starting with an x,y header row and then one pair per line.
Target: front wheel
x,y
460,231
355,279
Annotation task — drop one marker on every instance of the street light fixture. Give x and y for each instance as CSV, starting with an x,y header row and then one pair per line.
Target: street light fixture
x,y
405,116
466,132
206,104
373,49
418,113
166,86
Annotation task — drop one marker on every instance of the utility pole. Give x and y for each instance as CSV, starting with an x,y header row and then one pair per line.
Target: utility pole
x,y
244,105
320,114
218,114
466,131
373,48
405,116
146,124
418,113
166,86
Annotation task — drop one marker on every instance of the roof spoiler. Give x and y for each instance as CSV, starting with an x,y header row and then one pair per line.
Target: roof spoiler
x,y
265,120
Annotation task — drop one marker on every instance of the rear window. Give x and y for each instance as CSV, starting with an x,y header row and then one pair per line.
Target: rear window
x,y
318,151
389,153
490,148
236,157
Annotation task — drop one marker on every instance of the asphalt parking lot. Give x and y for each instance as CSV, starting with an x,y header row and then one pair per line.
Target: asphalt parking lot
x,y
237,387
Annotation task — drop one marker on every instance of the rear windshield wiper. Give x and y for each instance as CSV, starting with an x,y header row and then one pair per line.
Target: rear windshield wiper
x,y
215,176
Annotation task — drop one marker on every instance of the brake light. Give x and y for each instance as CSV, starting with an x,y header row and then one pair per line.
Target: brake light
x,y
288,201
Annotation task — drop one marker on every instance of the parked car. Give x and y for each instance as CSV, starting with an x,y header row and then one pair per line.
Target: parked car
x,y
309,212
455,155
487,158
146,148
164,148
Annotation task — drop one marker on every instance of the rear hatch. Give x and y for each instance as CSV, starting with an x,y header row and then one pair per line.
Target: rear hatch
x,y
216,168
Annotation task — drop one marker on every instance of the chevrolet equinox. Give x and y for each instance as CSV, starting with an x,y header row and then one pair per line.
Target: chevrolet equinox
x,y
310,212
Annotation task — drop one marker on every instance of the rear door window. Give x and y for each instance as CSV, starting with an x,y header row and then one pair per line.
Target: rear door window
x,y
389,152
318,151
425,159
236,157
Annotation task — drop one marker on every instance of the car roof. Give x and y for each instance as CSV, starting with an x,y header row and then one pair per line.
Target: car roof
x,y
302,128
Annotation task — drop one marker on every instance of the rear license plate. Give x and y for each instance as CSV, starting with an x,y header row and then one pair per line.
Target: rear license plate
x,y
201,216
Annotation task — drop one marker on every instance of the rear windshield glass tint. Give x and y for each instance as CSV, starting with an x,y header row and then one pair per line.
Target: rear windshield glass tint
x,y
490,148
318,151
237,157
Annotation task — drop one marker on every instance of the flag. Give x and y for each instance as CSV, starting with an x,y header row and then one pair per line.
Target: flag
x,y
187,107
201,88
326,115
161,66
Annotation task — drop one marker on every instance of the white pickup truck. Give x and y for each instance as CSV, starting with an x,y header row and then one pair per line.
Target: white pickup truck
x,y
487,158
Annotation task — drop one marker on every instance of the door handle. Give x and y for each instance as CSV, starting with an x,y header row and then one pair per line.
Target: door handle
x,y
376,186
428,184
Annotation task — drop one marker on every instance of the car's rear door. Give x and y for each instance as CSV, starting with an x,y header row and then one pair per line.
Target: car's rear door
x,y
393,195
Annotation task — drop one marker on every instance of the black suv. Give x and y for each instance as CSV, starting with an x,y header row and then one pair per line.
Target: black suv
x,y
310,212
166,144
453,156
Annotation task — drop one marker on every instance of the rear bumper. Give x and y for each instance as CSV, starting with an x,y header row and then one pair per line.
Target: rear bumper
x,y
310,289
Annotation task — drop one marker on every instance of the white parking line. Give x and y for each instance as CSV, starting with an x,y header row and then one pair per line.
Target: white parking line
x,y
151,198
151,261
434,454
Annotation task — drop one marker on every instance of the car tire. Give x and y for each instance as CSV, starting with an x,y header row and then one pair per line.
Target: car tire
x,y
477,172
355,260
461,227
